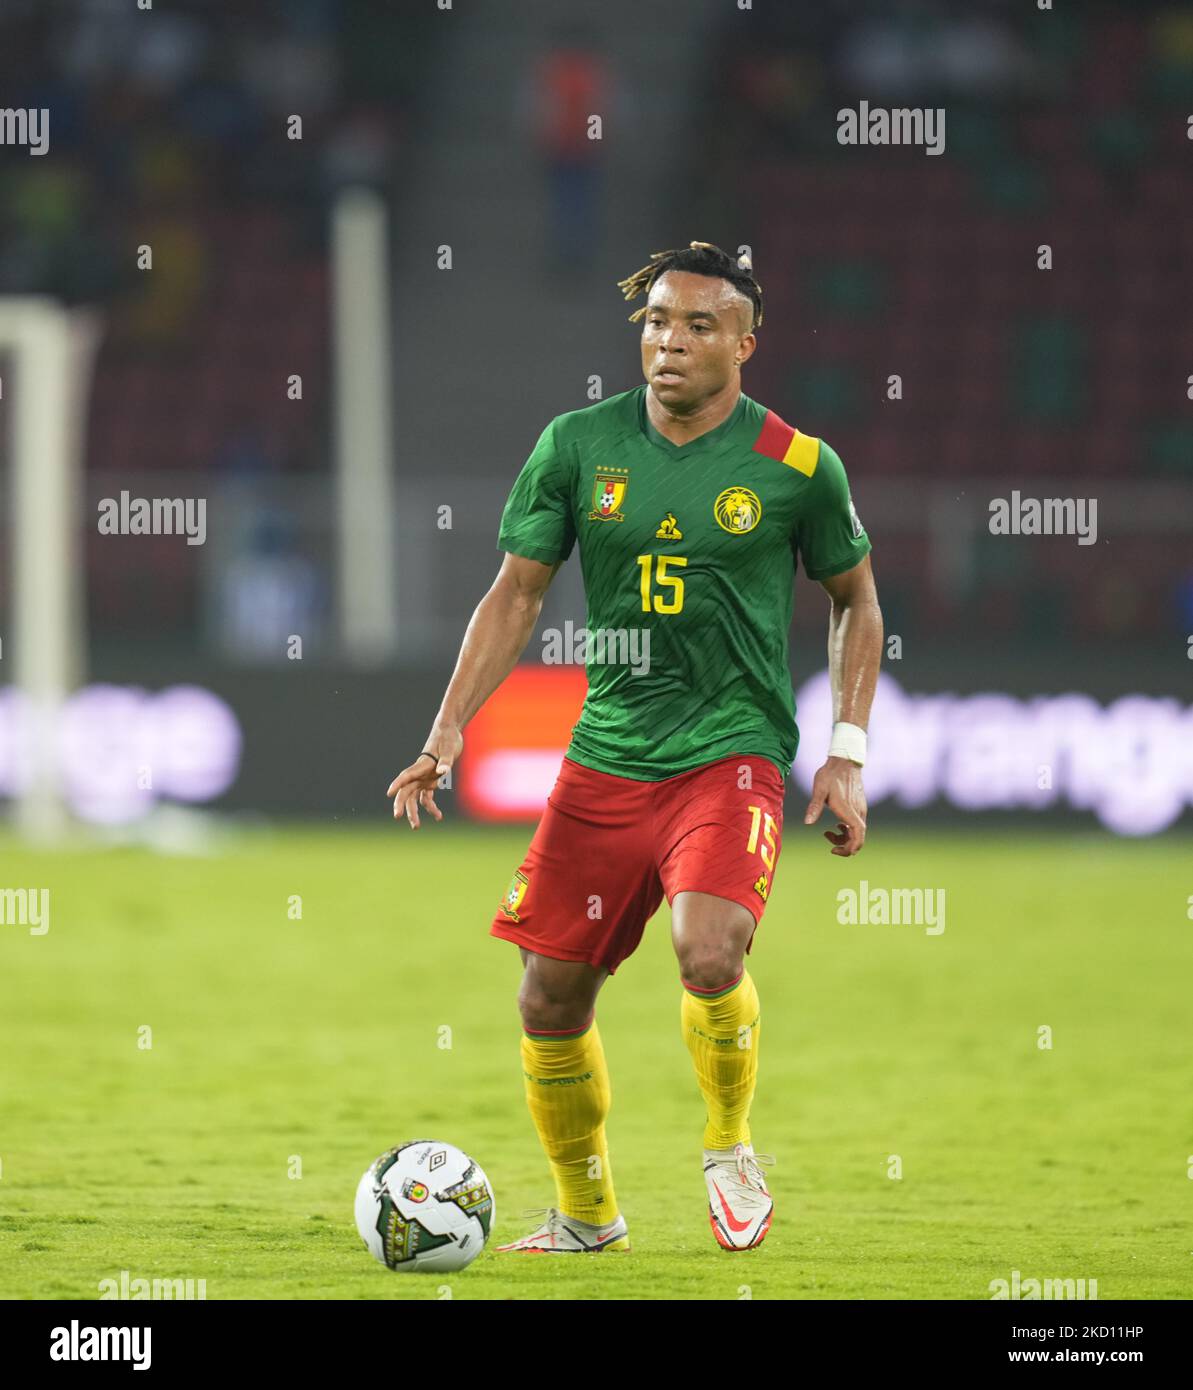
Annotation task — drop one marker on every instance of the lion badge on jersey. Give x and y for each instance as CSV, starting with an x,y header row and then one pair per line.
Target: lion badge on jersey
x,y
737,510
513,899
608,493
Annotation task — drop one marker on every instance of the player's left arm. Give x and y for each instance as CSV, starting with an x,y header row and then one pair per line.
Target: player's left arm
x,y
854,656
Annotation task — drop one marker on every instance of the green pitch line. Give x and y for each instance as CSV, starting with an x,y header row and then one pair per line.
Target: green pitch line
x,y
321,1040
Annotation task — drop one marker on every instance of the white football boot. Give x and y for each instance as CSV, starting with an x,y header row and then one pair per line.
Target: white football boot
x,y
740,1208
560,1235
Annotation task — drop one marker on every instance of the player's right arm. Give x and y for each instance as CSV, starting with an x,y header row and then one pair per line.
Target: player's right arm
x,y
495,638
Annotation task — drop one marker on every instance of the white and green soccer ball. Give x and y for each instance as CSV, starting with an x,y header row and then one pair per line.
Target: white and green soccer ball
x,y
424,1206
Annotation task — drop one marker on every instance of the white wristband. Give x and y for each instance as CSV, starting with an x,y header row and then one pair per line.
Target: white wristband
x,y
848,741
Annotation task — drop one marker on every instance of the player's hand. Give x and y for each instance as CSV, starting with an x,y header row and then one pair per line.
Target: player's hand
x,y
415,786
839,785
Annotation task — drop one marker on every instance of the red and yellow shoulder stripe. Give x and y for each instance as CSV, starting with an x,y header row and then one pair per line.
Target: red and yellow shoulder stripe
x,y
778,440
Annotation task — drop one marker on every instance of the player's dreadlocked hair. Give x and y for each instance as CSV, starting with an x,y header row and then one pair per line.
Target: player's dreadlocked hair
x,y
699,258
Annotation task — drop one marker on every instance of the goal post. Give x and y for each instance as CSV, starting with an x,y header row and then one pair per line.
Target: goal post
x,y
51,352
366,563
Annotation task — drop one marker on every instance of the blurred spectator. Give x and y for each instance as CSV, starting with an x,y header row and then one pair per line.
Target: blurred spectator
x,y
569,85
268,593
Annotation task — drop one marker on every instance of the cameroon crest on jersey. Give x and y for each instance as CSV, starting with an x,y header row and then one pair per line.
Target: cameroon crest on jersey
x,y
608,493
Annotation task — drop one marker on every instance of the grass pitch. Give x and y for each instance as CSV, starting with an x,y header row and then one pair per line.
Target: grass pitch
x,y
277,1041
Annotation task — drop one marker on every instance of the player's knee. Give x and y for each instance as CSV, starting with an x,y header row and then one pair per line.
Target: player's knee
x,y
709,964
551,1004
541,1013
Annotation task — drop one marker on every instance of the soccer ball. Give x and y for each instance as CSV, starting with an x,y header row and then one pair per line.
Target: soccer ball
x,y
424,1206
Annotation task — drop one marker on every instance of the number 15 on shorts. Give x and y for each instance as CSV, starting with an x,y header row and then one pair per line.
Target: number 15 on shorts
x,y
764,821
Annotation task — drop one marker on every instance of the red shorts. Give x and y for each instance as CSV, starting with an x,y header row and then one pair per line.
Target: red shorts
x,y
608,848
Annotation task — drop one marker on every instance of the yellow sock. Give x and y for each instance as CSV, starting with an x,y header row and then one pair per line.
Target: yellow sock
x,y
721,1030
568,1092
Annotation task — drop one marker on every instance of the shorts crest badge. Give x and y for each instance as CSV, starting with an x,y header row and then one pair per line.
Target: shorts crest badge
x,y
513,899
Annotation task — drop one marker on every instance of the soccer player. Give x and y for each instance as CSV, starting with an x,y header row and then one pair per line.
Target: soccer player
x,y
690,503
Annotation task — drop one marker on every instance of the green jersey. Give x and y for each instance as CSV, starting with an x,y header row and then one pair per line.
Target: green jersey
x,y
688,553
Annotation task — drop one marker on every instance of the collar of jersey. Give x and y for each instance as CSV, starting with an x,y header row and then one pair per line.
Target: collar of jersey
x,y
703,443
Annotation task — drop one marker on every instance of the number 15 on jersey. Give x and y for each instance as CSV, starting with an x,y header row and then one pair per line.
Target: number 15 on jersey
x,y
655,567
